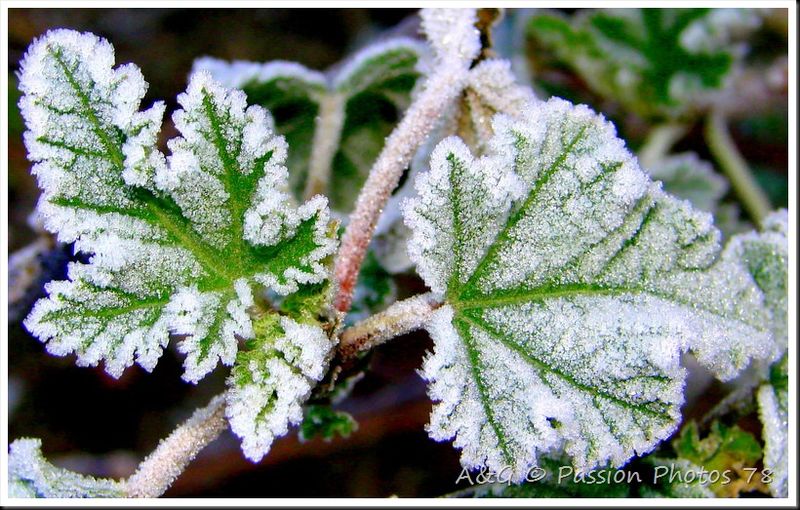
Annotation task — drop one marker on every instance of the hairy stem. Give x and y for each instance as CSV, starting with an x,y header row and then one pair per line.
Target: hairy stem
x,y
441,89
327,133
726,153
157,472
400,318
659,142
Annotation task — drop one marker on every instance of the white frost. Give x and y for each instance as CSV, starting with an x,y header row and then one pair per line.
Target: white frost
x,y
452,34
574,285
156,269
773,410
278,380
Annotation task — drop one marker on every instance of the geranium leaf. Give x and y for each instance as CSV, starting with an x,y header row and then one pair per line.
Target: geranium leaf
x,y
177,244
572,284
773,409
273,377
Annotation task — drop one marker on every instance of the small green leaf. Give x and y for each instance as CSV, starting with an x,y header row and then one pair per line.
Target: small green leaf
x,y
375,289
765,255
726,449
572,284
31,476
272,378
660,63
322,421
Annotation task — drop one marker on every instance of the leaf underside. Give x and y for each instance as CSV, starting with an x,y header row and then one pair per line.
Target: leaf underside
x,y
572,284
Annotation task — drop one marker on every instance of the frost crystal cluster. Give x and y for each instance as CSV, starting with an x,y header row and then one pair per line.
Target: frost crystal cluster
x,y
180,244
572,284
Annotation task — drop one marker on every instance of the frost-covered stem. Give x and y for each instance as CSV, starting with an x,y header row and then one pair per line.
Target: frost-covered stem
x,y
726,153
157,472
327,132
441,89
659,142
400,318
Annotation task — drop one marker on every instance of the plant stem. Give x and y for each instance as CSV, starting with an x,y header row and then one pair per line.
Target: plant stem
x,y
441,89
157,472
400,318
726,153
327,133
659,142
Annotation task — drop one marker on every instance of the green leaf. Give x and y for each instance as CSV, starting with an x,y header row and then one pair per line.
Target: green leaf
x,y
273,377
765,255
688,177
773,409
726,449
365,98
31,476
322,421
177,244
660,63
572,284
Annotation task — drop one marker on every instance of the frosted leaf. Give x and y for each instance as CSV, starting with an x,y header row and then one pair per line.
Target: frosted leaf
x,y
271,381
765,255
491,88
773,410
365,97
688,177
176,244
572,284
724,449
656,62
31,476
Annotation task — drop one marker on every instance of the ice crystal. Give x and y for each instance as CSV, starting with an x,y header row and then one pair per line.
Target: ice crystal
x,y
572,284
350,109
177,243
31,476
656,62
